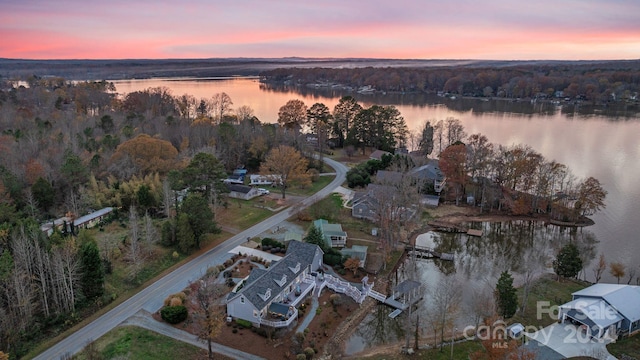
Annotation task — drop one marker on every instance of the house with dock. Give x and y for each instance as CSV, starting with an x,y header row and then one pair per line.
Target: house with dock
x,y
269,297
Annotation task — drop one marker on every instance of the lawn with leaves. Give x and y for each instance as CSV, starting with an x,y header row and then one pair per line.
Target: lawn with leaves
x,y
130,342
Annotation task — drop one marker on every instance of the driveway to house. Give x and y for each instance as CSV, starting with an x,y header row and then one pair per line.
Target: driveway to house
x,y
151,298
567,340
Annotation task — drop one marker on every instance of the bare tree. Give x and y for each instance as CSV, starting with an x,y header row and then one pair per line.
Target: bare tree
x,y
220,105
167,199
211,318
532,264
151,235
631,272
599,268
134,254
445,305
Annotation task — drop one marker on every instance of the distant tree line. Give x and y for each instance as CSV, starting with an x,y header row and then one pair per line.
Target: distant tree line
x,y
596,82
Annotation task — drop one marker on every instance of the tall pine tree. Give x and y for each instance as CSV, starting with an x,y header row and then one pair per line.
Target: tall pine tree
x,y
92,279
506,296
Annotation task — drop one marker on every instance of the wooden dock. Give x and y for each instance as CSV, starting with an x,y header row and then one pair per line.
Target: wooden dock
x,y
422,252
445,226
474,232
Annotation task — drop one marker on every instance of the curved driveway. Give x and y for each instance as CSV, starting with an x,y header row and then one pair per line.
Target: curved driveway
x,y
151,298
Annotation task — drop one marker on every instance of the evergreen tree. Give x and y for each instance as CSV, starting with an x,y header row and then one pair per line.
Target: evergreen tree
x,y
200,216
568,263
43,193
92,278
314,236
506,296
185,235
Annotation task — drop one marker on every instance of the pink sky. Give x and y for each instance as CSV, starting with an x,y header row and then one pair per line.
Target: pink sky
x,y
402,29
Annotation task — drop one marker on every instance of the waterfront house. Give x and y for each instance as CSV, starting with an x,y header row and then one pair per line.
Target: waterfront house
x,y
430,174
269,297
333,234
604,310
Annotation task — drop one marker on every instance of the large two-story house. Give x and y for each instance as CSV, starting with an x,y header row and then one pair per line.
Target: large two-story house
x,y
268,297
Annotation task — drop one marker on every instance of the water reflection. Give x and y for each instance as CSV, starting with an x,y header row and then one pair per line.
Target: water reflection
x,y
377,328
516,246
603,145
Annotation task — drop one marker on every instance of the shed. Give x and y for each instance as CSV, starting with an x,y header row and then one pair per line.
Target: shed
x,y
515,331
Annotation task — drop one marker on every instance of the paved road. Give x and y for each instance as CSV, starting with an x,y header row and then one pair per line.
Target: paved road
x,y
151,298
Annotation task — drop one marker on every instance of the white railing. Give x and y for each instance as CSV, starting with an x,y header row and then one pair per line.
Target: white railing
x,y
279,324
376,295
344,287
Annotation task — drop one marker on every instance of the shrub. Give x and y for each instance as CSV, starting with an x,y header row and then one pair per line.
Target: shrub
x,y
174,314
244,323
234,330
301,357
175,301
271,243
309,352
335,299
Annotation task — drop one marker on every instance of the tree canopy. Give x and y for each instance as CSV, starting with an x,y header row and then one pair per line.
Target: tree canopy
x,y
568,263
287,166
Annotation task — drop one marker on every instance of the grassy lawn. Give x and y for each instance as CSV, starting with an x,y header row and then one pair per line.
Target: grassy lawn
x,y
629,346
461,350
314,188
546,289
130,342
242,214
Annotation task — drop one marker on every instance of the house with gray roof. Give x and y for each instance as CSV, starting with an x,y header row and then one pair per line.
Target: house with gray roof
x,y
269,297
604,310
333,234
430,173
243,192
93,219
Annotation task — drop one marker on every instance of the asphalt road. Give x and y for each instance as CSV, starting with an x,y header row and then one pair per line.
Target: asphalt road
x,y
151,298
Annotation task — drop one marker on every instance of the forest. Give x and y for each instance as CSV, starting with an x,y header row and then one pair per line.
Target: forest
x,y
159,159
594,82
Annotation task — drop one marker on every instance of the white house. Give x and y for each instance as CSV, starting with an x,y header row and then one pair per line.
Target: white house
x,y
269,296
604,309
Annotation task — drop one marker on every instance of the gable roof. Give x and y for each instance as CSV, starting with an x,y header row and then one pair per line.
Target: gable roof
x,y
329,230
429,171
623,298
388,177
378,154
96,214
279,275
244,189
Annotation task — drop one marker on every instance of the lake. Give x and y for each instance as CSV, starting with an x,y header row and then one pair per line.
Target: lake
x,y
604,145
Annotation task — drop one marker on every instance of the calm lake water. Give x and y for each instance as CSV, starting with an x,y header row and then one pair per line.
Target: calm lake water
x,y
605,146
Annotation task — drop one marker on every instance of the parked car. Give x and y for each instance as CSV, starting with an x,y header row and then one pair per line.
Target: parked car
x,y
262,191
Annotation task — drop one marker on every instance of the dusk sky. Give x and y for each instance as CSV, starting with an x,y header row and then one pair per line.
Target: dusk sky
x,y
400,29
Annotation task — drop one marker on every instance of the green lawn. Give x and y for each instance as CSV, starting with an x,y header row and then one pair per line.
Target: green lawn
x,y
461,350
314,188
130,342
546,289
629,346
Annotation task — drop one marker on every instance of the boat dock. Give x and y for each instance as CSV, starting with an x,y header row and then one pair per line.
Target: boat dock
x,y
423,252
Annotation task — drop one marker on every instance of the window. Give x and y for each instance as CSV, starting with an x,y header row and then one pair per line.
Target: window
x,y
255,313
241,299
